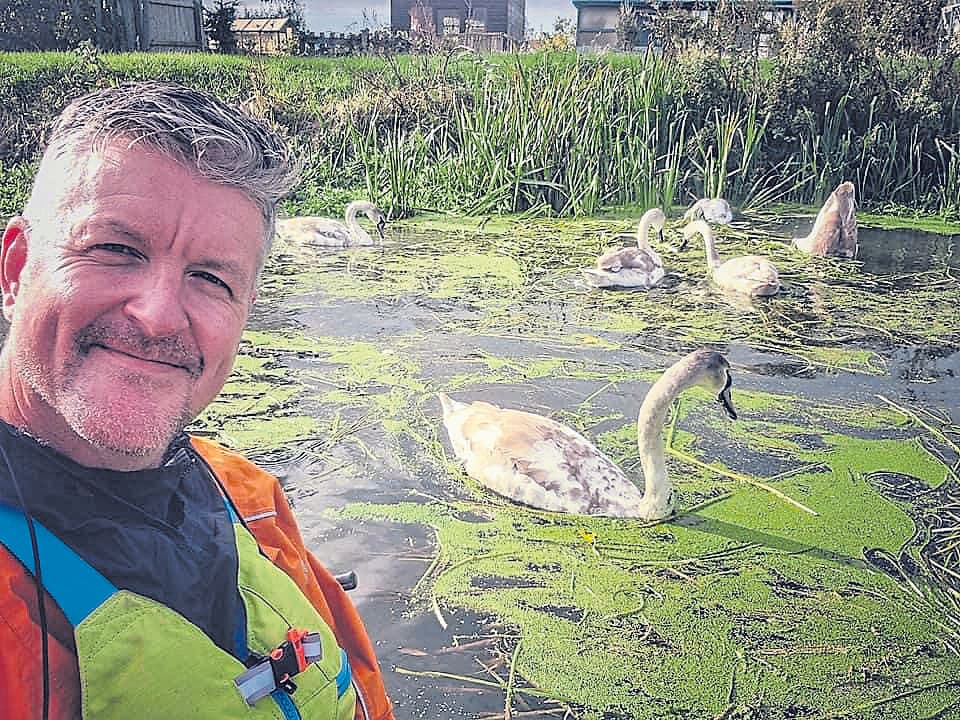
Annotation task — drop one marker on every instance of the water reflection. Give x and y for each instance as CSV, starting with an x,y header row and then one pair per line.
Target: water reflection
x,y
898,252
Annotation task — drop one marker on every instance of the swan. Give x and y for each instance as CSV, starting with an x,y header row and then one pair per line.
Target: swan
x,y
714,210
539,462
747,274
325,232
637,267
835,229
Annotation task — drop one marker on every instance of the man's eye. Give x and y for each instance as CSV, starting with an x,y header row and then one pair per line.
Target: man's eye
x,y
213,279
118,248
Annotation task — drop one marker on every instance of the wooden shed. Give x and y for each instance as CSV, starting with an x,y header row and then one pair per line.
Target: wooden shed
x,y
112,25
454,17
265,36
160,25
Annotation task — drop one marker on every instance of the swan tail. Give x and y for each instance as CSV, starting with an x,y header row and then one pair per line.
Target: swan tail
x,y
448,405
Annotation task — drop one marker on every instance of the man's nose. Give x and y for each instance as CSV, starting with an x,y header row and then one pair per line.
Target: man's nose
x,y
157,304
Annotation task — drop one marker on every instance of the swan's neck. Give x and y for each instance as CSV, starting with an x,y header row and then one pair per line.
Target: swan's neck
x,y
713,259
357,232
643,230
351,215
657,488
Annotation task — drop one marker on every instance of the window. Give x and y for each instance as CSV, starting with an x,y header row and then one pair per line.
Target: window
x,y
421,18
451,25
477,20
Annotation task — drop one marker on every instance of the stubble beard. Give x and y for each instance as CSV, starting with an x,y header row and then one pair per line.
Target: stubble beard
x,y
103,421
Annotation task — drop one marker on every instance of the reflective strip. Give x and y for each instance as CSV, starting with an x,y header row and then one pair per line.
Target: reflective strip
x,y
71,581
361,701
344,676
256,683
312,647
260,516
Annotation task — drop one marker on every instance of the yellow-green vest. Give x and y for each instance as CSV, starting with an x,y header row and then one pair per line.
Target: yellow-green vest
x,y
140,660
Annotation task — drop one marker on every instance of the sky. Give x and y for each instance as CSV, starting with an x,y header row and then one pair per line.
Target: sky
x,y
346,15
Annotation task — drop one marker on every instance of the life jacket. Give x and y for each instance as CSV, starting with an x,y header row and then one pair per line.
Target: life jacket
x,y
137,658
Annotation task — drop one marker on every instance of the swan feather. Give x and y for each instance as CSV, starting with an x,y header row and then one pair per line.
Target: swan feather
x,y
537,461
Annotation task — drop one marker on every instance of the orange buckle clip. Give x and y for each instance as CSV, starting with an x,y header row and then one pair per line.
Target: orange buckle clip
x,y
296,640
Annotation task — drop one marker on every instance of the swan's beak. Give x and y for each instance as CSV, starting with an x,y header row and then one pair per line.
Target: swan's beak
x,y
683,244
726,400
660,235
381,224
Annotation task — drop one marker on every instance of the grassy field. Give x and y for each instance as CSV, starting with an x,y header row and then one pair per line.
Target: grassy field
x,y
548,133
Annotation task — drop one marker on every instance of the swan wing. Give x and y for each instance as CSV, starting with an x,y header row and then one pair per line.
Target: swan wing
x,y
848,244
695,211
717,211
629,257
537,461
835,228
626,267
319,231
752,274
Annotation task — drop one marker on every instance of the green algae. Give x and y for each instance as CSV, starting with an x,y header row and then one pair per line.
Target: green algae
x,y
746,586
510,275
741,589
924,223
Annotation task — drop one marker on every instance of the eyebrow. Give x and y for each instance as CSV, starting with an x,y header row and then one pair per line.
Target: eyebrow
x,y
225,266
228,267
123,229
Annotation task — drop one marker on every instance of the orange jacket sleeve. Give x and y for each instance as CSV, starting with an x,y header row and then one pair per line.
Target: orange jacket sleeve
x,y
21,668
264,508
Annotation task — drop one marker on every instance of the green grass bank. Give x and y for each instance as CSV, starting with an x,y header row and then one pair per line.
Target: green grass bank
x,y
554,133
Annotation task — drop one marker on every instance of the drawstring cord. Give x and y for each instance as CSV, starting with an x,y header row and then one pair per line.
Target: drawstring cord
x,y
38,583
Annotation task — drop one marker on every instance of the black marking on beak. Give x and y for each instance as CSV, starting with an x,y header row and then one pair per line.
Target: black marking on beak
x,y
726,400
381,224
660,235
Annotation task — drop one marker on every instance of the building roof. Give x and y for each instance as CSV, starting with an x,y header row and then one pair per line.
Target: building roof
x,y
260,24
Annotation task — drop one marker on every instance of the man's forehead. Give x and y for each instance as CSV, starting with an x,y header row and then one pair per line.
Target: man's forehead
x,y
72,180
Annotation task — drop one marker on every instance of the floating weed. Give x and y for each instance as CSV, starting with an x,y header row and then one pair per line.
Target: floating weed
x,y
745,582
740,589
523,276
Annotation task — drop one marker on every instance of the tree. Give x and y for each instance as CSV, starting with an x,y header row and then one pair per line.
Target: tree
x,y
218,23
291,9
629,26
562,36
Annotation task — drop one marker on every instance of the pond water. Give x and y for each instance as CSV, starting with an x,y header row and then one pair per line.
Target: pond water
x,y
742,606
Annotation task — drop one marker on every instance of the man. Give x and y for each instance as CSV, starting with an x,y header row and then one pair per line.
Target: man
x,y
145,574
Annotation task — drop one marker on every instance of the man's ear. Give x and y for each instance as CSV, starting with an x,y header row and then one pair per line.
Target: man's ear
x,y
13,258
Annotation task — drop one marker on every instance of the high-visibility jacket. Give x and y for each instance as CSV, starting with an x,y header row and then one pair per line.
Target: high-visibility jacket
x,y
259,500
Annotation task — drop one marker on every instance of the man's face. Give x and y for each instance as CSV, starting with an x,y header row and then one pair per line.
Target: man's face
x,y
127,287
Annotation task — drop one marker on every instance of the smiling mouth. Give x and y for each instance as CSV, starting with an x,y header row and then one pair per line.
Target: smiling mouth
x,y
165,363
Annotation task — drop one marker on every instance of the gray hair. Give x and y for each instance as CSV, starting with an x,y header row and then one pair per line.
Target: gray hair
x,y
221,143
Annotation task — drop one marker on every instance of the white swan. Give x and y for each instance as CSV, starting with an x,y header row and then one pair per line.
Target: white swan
x,y
835,229
714,210
636,267
325,232
539,462
748,274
